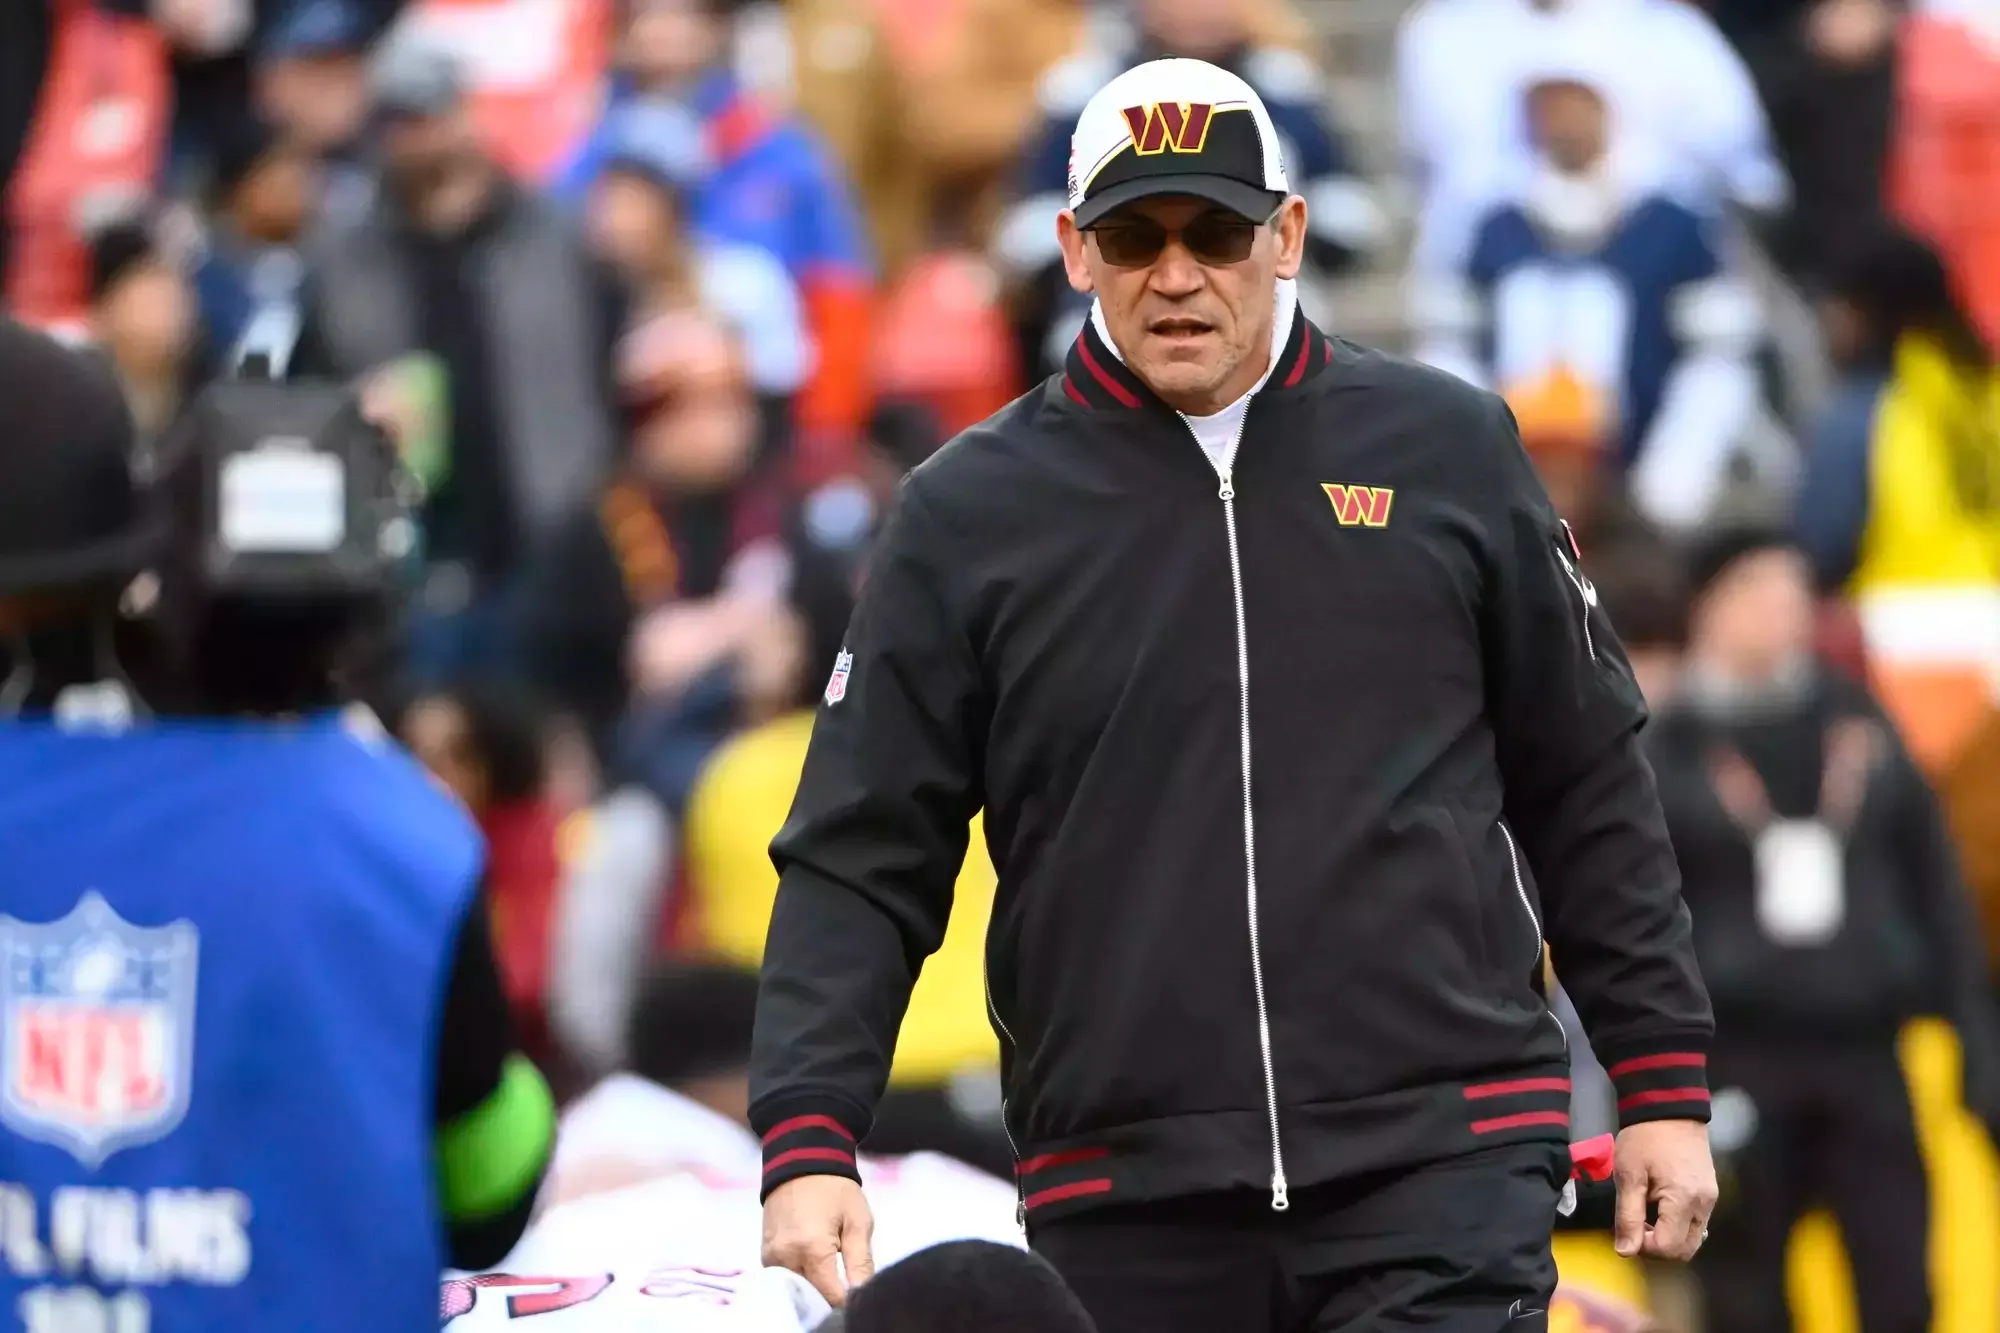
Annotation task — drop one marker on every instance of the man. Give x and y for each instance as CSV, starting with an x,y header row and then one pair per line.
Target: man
x,y
1346,223
1296,730
458,261
1588,276
259,1067
1460,75
1829,913
665,613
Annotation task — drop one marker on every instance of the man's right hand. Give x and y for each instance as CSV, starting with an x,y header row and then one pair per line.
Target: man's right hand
x,y
816,1226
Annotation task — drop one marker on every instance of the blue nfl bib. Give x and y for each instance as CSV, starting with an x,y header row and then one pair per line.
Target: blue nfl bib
x,y
223,955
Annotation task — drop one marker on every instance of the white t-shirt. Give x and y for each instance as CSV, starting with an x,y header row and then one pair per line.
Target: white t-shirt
x,y
1220,432
1678,90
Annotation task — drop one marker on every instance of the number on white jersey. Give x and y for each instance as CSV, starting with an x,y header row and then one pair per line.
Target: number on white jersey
x,y
667,1299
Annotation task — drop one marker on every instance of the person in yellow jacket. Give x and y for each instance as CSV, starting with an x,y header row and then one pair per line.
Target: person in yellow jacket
x,y
1900,506
944,1086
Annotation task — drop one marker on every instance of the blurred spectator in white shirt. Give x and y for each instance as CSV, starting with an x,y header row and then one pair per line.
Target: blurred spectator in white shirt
x,y
1461,71
1600,305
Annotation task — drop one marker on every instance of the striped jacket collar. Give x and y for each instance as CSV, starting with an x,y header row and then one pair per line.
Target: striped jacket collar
x,y
1094,377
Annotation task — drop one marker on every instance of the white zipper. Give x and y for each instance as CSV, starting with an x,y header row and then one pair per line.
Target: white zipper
x,y
1020,1190
1521,892
1280,1191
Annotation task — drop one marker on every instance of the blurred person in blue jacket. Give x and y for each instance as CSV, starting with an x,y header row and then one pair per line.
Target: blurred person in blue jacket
x,y
638,215
1588,277
770,183
1345,221
258,1071
264,192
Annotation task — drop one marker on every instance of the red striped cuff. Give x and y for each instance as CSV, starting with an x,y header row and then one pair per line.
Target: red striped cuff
x,y
1538,1104
1057,1176
806,1141
1661,1081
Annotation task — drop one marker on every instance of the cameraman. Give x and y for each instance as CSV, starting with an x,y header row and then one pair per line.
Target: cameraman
x,y
255,1066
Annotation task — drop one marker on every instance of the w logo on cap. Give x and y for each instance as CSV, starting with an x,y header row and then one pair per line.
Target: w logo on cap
x,y
1169,127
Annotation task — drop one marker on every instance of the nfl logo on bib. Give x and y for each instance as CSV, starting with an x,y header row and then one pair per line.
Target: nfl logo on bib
x,y
836,684
96,1029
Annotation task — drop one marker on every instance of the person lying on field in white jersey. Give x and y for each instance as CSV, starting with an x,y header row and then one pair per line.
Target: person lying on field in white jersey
x,y
651,1212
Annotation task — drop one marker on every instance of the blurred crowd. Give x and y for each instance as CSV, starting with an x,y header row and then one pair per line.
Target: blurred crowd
x,y
661,297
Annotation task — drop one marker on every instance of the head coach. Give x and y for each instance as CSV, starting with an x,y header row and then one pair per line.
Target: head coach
x,y
1298,731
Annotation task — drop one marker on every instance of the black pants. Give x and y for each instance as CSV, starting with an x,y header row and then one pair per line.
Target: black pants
x,y
1833,1127
1460,1247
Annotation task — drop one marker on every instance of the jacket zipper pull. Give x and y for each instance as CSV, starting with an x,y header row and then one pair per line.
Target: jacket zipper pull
x,y
1227,490
1021,1214
1280,1192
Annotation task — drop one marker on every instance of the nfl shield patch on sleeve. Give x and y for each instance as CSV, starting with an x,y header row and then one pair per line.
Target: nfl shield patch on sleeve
x,y
836,684
96,1029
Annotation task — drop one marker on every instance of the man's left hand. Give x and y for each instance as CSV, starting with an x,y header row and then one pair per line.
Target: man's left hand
x,y
1665,1162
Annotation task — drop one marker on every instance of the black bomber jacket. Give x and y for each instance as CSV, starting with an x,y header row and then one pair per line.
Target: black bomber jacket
x,y
1289,769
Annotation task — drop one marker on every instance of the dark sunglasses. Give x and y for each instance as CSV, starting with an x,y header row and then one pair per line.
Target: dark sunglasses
x,y
1212,238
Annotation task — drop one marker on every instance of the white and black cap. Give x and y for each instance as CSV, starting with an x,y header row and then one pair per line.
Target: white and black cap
x,y
1175,127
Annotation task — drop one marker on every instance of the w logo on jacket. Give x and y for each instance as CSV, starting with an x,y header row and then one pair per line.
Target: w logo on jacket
x,y
1363,506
